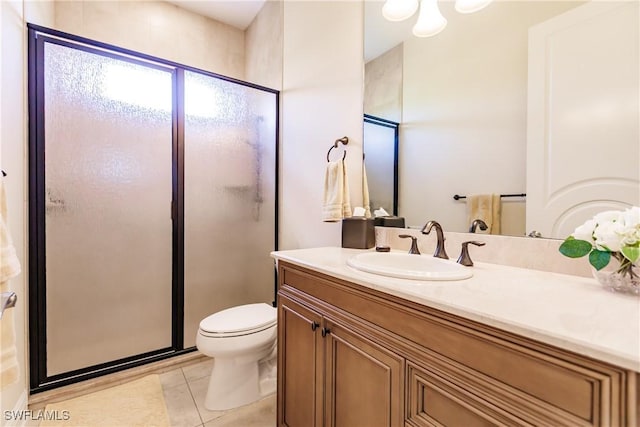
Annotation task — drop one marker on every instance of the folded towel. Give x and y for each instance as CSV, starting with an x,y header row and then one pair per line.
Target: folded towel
x,y
486,207
8,351
365,193
9,264
337,202
9,268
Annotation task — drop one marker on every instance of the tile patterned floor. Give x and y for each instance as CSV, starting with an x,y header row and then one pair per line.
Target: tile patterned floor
x,y
184,392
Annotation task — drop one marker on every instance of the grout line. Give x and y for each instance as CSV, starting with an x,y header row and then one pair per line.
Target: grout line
x,y
193,398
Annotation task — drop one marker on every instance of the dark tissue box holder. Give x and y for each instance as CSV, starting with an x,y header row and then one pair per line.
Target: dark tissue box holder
x,y
358,233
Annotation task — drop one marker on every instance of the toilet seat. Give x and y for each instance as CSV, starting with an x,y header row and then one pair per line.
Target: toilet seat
x,y
241,320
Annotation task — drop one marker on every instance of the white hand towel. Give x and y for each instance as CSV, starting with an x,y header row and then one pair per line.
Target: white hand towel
x,y
9,268
337,202
366,203
486,207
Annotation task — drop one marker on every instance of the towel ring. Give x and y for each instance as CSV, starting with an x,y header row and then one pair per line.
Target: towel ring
x,y
344,140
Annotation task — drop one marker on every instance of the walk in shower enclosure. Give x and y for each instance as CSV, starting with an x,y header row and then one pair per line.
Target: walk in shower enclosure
x,y
152,204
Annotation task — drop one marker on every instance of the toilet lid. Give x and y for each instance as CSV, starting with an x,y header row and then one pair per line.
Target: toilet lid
x,y
243,318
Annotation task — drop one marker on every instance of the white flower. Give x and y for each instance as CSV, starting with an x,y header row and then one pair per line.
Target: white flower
x,y
630,232
608,216
614,232
611,230
608,236
585,231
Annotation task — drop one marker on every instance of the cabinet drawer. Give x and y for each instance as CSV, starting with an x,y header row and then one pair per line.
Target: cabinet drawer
x,y
433,400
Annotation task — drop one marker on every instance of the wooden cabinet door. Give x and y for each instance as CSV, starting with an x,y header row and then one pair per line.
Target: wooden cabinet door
x,y
299,365
363,381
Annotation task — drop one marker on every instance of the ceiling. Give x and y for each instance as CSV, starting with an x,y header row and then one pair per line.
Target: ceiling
x,y
237,13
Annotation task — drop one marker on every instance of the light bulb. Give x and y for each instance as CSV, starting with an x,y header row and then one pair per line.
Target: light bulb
x,y
430,20
399,10
470,6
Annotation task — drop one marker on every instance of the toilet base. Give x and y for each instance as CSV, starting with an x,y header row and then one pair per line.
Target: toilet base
x,y
234,384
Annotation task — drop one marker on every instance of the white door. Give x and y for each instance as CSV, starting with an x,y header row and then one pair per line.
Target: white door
x,y
583,135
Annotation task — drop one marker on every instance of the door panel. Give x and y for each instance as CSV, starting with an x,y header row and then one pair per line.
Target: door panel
x,y
300,348
583,128
229,197
363,382
108,191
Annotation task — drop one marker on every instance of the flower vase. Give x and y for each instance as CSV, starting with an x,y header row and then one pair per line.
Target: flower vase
x,y
624,280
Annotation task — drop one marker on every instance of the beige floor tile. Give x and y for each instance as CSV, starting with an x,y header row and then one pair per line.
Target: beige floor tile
x,y
199,391
172,378
181,406
198,370
258,414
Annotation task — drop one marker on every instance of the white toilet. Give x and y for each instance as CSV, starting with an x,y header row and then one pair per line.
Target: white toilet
x,y
242,342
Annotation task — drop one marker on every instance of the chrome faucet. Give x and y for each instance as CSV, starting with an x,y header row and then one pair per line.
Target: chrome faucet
x,y
414,244
440,250
478,223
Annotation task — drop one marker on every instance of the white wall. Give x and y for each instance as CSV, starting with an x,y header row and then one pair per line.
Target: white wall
x,y
464,113
321,102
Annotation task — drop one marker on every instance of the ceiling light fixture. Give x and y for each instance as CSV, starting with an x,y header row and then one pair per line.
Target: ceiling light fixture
x,y
399,10
430,21
470,6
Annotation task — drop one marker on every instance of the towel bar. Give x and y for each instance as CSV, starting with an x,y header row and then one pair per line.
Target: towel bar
x,y
458,197
8,300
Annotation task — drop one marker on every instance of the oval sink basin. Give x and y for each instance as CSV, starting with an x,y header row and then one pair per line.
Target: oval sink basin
x,y
409,266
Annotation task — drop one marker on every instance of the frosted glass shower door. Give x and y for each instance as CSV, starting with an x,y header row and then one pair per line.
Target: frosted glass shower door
x,y
108,191
229,197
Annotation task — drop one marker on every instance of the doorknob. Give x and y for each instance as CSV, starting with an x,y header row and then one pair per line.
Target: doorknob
x,y
8,300
314,325
325,332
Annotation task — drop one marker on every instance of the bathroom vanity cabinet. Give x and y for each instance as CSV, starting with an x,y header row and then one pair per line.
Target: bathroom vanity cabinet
x,y
350,356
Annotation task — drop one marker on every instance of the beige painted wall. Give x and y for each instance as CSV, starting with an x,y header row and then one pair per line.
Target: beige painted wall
x,y
263,47
157,28
321,102
383,85
464,113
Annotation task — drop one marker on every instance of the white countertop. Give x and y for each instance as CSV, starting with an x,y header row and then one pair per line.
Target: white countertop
x,y
571,312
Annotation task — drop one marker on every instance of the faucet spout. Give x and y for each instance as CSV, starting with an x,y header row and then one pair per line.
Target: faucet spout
x,y
440,249
478,223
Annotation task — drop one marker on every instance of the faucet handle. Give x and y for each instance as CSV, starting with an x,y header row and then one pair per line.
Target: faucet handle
x,y
464,257
414,243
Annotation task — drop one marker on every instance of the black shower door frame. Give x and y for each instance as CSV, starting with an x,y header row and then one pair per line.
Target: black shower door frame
x,y
37,37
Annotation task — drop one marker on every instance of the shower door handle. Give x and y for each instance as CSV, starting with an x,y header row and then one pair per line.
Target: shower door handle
x,y
8,300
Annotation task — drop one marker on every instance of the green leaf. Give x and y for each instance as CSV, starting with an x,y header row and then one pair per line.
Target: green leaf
x,y
599,259
574,248
632,253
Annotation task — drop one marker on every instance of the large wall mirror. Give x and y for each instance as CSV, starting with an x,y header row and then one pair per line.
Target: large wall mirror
x,y
522,97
